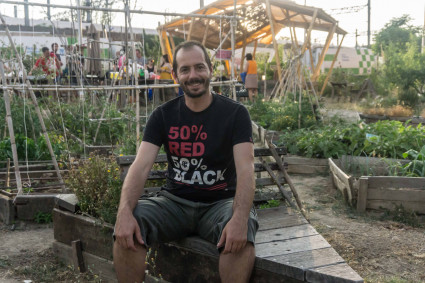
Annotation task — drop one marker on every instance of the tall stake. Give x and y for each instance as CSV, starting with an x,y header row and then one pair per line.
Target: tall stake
x,y
11,131
136,75
34,99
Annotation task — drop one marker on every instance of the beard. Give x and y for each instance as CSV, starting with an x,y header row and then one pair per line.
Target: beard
x,y
203,88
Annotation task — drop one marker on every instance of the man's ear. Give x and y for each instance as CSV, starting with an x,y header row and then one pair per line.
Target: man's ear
x,y
175,76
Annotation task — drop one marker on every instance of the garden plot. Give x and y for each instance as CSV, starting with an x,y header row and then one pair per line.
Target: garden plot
x,y
373,188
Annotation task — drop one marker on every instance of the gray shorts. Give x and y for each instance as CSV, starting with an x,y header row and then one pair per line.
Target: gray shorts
x,y
165,218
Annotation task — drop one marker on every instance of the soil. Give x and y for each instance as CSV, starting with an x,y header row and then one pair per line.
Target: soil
x,y
379,249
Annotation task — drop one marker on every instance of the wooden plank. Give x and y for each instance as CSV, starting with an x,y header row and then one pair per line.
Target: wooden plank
x,y
96,237
297,160
286,233
362,195
7,210
418,207
101,266
340,273
27,206
296,245
77,256
295,264
287,221
307,169
268,181
272,213
396,182
398,194
68,202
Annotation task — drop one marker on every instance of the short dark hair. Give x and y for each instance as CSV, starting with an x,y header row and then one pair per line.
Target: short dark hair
x,y
187,45
44,49
248,56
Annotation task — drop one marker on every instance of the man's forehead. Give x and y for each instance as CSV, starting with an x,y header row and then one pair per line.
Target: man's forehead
x,y
197,58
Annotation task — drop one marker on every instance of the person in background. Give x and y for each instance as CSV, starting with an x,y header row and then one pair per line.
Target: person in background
x,y
139,58
165,68
150,67
49,63
55,48
251,79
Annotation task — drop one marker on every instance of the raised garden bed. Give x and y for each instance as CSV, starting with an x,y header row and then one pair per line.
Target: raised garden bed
x,y
296,164
288,249
377,192
372,118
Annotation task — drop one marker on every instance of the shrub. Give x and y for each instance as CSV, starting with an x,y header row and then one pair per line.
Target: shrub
x,y
96,182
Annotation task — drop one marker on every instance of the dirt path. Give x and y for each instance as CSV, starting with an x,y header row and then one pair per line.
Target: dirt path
x,y
379,250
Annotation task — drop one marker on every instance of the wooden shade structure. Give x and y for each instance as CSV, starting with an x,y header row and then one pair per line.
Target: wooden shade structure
x,y
257,21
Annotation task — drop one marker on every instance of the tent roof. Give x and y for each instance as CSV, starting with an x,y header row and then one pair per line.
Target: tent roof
x,y
255,24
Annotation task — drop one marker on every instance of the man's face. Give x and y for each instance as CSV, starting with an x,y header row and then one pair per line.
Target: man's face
x,y
55,48
46,53
193,73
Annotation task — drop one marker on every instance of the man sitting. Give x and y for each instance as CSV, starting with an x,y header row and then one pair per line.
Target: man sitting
x,y
210,186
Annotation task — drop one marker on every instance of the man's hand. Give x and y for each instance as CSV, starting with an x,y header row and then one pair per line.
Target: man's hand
x,y
126,228
234,235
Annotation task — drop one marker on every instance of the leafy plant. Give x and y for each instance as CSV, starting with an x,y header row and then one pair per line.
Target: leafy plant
x,y
97,185
270,203
416,167
42,217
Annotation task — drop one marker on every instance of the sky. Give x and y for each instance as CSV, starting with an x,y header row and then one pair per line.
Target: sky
x,y
351,14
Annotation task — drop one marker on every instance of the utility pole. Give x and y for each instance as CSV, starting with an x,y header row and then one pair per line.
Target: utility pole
x,y
49,16
368,23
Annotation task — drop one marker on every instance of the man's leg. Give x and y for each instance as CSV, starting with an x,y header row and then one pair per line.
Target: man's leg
x,y
130,265
237,267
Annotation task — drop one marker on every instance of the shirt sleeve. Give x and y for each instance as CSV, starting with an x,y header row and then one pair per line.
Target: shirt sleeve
x,y
153,132
242,129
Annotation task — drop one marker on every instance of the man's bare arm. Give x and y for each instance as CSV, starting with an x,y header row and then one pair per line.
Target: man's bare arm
x,y
126,226
234,235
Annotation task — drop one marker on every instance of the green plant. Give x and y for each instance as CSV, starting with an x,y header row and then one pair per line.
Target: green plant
x,y
416,167
402,215
270,203
97,185
43,217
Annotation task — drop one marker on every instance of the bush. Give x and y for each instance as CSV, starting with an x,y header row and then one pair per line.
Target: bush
x,y
97,184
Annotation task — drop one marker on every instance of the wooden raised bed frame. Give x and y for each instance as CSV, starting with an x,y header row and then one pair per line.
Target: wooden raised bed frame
x,y
380,192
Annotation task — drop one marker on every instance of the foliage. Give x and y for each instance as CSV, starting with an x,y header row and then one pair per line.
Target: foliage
x,y
397,32
28,149
382,139
275,116
416,167
270,203
42,217
96,183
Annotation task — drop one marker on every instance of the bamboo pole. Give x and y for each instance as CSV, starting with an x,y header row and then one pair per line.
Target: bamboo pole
x,y
310,28
86,8
255,49
276,49
324,51
11,133
331,67
192,21
34,99
206,32
136,82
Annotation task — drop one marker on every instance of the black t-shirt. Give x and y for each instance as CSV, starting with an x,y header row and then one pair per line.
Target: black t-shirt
x,y
199,146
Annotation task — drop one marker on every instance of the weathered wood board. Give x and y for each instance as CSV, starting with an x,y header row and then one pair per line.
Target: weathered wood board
x,y
342,182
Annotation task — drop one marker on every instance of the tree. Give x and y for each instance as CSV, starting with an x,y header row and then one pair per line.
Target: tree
x,y
398,33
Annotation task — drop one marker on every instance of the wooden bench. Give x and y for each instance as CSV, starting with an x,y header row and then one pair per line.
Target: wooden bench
x,y
288,248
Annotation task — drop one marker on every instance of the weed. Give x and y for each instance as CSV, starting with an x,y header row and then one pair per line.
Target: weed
x,y
151,263
402,215
97,185
42,217
270,203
